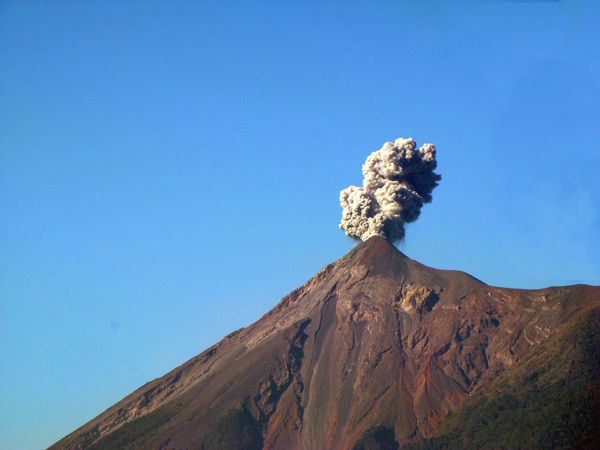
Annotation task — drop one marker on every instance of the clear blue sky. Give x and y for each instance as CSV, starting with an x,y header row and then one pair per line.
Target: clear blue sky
x,y
170,170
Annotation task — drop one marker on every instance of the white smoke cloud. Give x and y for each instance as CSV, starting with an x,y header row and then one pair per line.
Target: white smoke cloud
x,y
398,180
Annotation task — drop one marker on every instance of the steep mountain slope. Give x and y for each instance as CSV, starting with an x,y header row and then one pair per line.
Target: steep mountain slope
x,y
375,344
549,400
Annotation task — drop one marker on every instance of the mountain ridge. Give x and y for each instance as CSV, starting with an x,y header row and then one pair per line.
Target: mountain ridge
x,y
374,339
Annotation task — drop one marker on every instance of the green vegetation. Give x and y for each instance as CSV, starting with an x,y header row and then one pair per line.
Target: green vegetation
x,y
377,438
549,401
234,431
126,436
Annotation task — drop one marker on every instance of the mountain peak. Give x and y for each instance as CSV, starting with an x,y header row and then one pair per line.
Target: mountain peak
x,y
375,341
378,242
379,255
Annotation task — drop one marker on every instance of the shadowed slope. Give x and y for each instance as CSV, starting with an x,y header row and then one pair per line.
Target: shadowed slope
x,y
550,399
373,340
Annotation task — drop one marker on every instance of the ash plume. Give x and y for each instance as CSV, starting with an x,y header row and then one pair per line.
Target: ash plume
x,y
398,180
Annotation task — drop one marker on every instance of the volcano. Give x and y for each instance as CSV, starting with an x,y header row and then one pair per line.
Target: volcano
x,y
380,351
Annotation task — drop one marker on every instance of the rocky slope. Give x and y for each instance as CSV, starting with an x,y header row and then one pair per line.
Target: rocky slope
x,y
374,341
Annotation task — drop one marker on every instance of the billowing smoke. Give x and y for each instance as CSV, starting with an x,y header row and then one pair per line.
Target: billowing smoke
x,y
398,180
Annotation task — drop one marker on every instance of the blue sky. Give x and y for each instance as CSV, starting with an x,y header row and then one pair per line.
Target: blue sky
x,y
170,170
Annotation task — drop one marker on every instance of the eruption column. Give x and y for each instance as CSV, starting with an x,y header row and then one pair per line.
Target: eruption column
x,y
398,180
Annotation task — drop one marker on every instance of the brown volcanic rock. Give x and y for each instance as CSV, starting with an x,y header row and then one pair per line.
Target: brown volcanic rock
x,y
375,339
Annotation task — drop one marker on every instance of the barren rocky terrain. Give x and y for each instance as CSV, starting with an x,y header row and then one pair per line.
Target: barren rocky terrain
x,y
375,351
